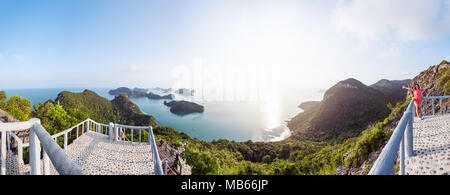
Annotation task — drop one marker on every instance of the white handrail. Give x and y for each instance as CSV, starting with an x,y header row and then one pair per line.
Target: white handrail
x,y
36,134
401,139
18,126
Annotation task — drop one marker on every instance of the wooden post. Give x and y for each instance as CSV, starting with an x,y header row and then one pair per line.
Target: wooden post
x,y
77,131
140,135
131,135
3,153
87,126
440,103
165,167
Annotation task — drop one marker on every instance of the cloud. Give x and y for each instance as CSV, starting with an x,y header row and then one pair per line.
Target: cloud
x,y
19,58
389,52
133,68
398,20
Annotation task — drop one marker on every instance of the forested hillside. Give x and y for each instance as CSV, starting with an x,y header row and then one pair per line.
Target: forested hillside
x,y
342,134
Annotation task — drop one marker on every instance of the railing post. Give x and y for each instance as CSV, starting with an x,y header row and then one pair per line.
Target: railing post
x,y
432,105
65,140
20,151
423,109
440,105
131,135
87,126
122,134
77,130
116,132
3,152
409,143
140,136
402,156
165,164
46,161
35,152
111,134
8,140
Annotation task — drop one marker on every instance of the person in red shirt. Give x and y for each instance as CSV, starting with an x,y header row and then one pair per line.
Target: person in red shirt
x,y
417,91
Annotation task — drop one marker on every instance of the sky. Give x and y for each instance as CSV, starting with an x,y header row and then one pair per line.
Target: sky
x,y
157,43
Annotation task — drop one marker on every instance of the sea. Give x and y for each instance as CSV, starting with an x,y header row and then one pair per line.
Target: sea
x,y
232,120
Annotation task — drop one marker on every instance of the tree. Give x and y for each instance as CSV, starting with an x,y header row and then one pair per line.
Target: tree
x,y
267,159
2,99
202,163
16,106
53,117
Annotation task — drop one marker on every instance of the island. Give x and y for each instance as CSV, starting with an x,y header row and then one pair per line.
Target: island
x,y
184,107
137,92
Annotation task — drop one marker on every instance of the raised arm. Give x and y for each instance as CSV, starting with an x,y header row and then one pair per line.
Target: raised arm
x,y
406,88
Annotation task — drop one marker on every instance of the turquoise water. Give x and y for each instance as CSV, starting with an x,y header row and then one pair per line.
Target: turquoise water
x,y
233,120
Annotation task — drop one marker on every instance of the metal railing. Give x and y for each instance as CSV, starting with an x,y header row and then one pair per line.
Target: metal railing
x,y
52,151
37,136
401,138
433,98
120,134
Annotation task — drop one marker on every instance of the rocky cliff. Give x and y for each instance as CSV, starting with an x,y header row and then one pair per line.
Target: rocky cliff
x,y
346,109
436,82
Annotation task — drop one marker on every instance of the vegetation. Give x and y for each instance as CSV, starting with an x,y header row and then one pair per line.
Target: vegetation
x,y
16,106
444,81
55,119
90,105
184,107
393,88
136,92
295,155
343,113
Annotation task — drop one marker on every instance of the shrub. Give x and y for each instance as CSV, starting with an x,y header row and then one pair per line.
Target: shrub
x,y
202,163
16,106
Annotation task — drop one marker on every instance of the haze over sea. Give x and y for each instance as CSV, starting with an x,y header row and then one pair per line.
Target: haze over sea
x,y
233,120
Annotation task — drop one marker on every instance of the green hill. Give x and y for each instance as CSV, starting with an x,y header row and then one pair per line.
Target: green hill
x,y
392,88
100,109
346,109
